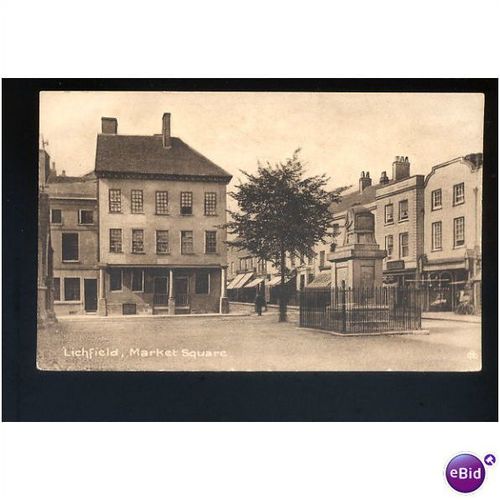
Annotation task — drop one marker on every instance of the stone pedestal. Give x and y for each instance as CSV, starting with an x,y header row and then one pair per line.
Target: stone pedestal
x,y
171,305
224,305
357,266
358,262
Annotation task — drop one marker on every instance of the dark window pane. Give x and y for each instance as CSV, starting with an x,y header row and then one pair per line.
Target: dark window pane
x,y
115,279
86,216
70,246
202,282
56,216
186,203
71,288
210,241
137,280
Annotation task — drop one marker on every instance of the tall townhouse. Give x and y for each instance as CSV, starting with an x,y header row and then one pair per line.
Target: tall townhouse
x,y
399,223
73,227
453,204
161,206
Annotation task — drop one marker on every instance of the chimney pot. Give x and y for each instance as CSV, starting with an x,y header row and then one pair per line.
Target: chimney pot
x,y
109,125
165,130
400,168
364,181
383,178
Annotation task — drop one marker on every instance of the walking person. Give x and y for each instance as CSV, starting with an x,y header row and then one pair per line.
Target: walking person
x,y
260,302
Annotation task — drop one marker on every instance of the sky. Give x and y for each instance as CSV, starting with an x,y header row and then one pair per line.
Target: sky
x,y
340,134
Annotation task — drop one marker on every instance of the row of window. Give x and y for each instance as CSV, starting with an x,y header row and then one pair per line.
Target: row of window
x,y
161,202
71,288
458,196
162,241
202,281
71,251
85,217
458,233
389,212
403,245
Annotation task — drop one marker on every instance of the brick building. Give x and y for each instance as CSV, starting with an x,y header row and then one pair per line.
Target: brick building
x,y
452,241
74,232
161,205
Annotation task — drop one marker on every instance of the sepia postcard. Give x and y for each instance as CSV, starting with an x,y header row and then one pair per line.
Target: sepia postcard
x,y
260,231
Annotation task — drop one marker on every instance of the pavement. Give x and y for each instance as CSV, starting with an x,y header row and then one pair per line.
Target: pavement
x,y
243,342
451,316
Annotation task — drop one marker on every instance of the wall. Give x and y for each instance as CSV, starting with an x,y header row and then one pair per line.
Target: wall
x,y
150,222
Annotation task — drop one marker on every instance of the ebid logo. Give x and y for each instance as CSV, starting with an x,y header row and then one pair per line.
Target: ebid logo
x,y
465,472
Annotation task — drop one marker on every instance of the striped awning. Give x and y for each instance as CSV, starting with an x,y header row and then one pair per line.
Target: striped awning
x,y
255,282
239,281
277,280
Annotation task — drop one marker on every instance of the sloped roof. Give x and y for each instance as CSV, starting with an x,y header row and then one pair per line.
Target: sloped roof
x,y
56,179
73,189
356,198
138,154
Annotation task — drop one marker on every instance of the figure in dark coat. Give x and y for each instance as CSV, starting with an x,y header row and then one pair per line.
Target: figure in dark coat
x,y
260,302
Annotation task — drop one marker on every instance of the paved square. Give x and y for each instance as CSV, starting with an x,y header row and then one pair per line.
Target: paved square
x,y
249,343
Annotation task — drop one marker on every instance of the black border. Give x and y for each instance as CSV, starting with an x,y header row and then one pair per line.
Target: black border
x,y
32,395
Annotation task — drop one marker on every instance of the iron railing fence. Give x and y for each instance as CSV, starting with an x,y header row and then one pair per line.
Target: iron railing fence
x,y
361,310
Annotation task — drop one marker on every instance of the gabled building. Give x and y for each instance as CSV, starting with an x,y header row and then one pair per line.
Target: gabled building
x,y
161,208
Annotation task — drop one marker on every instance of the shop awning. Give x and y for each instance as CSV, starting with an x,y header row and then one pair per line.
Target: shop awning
x,y
322,280
277,280
233,282
239,281
255,282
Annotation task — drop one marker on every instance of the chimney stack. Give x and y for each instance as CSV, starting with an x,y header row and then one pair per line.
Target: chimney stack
x,y
400,168
364,181
383,178
165,130
109,125
63,173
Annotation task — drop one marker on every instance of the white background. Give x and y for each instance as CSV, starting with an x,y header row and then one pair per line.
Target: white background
x,y
256,39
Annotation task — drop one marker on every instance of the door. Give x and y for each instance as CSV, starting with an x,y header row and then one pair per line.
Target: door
x,y
160,291
90,294
181,291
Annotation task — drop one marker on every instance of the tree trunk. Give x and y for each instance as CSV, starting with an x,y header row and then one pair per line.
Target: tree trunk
x,y
282,316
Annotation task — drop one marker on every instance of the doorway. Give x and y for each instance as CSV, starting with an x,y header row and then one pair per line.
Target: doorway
x,y
90,294
181,291
160,291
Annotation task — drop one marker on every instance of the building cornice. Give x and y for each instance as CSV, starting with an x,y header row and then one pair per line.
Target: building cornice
x,y
169,177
